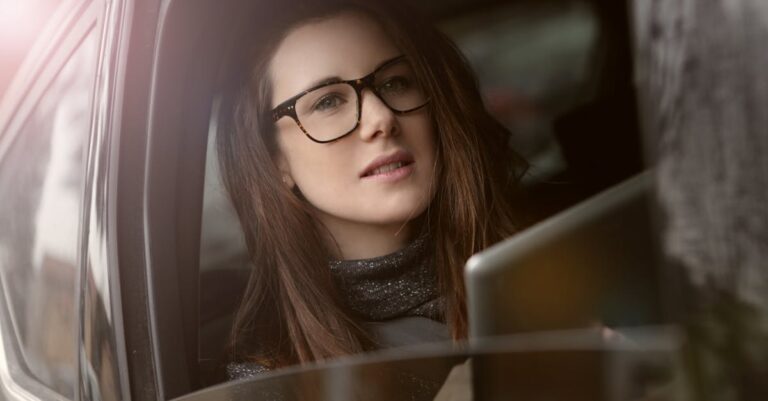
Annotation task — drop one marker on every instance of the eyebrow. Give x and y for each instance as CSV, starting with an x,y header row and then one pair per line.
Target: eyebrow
x,y
336,78
321,82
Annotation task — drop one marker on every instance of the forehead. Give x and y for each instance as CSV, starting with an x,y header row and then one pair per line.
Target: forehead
x,y
346,45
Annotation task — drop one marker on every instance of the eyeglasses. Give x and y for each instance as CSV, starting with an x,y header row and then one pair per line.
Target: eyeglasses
x,y
331,110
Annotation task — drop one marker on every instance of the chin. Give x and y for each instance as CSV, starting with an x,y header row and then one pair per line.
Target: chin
x,y
401,216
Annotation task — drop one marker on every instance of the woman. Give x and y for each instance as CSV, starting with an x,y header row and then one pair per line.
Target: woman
x,y
365,171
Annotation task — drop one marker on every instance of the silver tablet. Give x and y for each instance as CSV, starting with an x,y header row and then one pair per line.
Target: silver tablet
x,y
595,263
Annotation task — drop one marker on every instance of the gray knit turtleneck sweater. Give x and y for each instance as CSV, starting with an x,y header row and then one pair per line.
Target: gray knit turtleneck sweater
x,y
395,296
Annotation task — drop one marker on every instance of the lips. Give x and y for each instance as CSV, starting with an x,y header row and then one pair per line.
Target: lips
x,y
387,163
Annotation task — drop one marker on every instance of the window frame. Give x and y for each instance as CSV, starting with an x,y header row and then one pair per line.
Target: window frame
x,y
66,30
161,184
182,102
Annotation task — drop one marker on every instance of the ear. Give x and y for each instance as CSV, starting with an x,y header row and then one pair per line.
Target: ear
x,y
285,171
288,180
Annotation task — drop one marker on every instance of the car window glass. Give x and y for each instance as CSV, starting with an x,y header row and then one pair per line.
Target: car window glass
x,y
41,179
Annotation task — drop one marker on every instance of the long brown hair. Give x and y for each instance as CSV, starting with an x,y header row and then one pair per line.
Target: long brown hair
x,y
290,312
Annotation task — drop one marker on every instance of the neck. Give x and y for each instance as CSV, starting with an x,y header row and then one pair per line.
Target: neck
x,y
354,240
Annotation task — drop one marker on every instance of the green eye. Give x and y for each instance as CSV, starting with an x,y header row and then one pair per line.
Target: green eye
x,y
396,84
328,102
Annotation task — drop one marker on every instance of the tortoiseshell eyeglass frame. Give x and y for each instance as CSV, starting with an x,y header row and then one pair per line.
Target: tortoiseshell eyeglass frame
x,y
288,107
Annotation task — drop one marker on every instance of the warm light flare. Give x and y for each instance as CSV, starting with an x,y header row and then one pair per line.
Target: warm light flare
x,y
20,20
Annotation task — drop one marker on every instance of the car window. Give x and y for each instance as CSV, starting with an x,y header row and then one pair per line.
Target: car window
x,y
532,63
41,181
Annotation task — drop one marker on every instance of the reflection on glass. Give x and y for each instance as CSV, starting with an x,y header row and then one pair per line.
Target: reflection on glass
x,y
41,179
574,365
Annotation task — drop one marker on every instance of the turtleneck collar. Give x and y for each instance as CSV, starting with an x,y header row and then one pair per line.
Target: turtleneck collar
x,y
400,284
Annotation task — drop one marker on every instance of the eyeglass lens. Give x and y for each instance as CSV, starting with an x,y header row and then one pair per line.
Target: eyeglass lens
x,y
331,111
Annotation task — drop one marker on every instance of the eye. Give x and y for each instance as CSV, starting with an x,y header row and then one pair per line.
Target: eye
x,y
328,102
396,84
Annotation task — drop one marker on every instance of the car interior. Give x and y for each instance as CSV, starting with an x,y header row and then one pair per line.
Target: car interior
x,y
556,72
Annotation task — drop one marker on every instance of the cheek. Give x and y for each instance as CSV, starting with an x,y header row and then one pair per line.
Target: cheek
x,y
315,170
421,135
315,173
428,145
325,184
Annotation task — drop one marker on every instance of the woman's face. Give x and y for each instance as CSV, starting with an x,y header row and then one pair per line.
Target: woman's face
x,y
352,192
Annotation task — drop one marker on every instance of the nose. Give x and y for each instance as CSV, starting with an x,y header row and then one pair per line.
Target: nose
x,y
376,119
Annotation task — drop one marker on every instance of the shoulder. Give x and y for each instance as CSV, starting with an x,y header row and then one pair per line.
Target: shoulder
x,y
244,370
